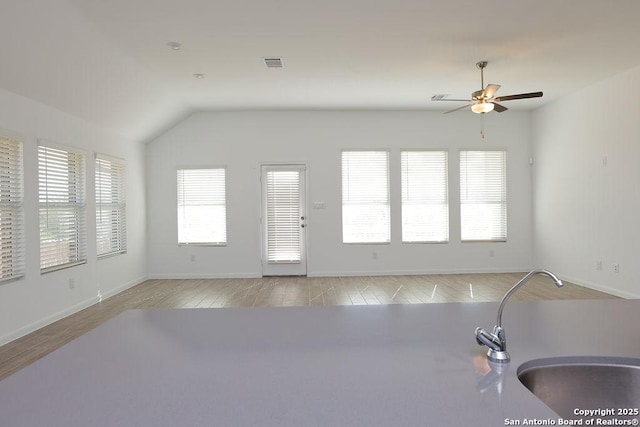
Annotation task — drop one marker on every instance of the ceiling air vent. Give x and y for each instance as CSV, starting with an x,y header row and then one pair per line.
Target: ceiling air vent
x,y
273,62
438,97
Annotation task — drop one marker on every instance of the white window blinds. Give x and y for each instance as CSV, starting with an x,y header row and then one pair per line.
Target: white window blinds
x,y
111,206
61,178
365,197
483,195
202,211
283,216
11,210
425,200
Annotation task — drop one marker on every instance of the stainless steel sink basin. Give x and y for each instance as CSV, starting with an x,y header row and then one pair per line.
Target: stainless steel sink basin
x,y
567,384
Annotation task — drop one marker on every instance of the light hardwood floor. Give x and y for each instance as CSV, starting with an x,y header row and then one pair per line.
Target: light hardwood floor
x,y
283,291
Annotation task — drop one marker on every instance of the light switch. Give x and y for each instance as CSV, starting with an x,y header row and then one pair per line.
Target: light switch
x,y
318,205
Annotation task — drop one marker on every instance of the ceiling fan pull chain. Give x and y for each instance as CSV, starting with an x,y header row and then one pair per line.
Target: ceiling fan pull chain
x,y
482,126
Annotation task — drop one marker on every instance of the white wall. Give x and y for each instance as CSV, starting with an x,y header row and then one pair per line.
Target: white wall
x,y
244,140
38,299
587,185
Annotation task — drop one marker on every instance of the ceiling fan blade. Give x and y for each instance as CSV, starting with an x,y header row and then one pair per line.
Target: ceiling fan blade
x,y
433,98
456,109
499,108
490,91
519,96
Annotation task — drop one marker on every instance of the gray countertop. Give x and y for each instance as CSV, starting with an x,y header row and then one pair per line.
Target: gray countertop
x,y
326,366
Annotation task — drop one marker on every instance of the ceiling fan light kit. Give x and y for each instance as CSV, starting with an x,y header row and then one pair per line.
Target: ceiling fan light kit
x,y
482,107
484,100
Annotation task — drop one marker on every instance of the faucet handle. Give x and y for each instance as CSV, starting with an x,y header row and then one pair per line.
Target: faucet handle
x,y
484,337
496,343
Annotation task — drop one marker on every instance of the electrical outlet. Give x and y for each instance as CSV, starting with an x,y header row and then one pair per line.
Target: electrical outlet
x,y
374,255
492,253
616,268
193,258
72,283
599,265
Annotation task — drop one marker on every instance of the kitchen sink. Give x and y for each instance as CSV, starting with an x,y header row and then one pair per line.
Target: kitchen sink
x,y
573,386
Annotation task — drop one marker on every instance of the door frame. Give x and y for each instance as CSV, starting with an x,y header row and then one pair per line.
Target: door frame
x,y
304,166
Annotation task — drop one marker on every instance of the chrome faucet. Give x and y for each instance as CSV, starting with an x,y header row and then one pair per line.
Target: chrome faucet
x,y
496,340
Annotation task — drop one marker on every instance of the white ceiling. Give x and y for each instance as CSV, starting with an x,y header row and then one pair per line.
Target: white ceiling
x,y
108,62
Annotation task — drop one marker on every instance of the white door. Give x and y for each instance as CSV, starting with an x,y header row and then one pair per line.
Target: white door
x,y
283,220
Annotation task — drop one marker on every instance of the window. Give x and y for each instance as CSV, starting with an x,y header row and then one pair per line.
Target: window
x,y
483,195
202,211
111,206
11,210
283,213
425,200
62,208
365,197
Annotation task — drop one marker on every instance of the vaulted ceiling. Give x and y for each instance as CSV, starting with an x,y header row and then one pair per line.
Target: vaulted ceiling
x,y
108,61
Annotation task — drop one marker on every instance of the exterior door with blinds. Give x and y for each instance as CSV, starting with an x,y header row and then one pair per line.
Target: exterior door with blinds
x,y
283,220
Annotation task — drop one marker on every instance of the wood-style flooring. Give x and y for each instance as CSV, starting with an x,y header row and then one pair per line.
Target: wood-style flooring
x,y
283,291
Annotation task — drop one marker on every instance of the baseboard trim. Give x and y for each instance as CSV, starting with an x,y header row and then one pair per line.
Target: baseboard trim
x,y
122,288
32,327
25,330
600,287
417,272
180,276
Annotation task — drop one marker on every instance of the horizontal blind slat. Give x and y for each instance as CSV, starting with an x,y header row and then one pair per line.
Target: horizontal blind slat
x,y
110,176
284,240
425,199
483,195
61,181
12,245
365,197
202,212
